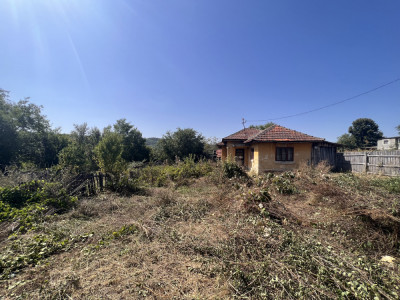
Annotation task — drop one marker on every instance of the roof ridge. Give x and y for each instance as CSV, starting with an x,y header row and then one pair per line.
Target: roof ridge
x,y
242,131
260,132
302,133
284,133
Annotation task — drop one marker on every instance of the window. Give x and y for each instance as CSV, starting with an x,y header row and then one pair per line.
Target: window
x,y
385,141
251,153
284,154
239,153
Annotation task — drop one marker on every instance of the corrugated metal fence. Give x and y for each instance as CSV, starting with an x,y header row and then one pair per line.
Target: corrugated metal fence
x,y
386,162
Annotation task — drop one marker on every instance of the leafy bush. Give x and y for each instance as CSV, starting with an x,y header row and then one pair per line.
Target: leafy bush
x,y
179,173
233,170
38,191
108,153
27,203
283,183
124,184
348,180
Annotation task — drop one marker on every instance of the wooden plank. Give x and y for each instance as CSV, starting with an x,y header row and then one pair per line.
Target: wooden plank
x,y
383,155
386,162
384,166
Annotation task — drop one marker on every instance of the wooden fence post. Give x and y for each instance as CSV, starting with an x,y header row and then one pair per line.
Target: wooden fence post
x,y
366,162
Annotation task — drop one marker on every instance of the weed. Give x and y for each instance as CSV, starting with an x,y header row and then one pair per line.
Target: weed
x,y
390,184
28,203
124,184
283,183
22,252
233,170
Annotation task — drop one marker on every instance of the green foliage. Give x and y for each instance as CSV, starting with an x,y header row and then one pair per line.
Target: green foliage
x,y
284,183
347,141
38,191
30,252
398,129
180,144
79,153
22,253
8,131
390,184
179,173
348,180
231,169
152,142
262,127
124,230
259,195
363,133
124,184
27,203
25,134
362,183
108,153
366,132
134,145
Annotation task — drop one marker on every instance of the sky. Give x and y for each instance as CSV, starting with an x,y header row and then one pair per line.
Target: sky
x,y
204,64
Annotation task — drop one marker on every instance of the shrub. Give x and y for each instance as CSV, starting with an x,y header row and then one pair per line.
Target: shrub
x,y
283,183
233,170
179,173
40,192
28,202
124,184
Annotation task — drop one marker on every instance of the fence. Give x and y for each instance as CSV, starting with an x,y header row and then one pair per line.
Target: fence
x,y
88,184
386,162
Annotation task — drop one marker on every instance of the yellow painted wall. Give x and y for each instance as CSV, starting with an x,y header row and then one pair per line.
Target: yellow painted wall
x,y
266,156
224,154
230,152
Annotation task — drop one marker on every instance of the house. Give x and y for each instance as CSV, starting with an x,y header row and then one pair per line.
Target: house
x,y
275,149
389,143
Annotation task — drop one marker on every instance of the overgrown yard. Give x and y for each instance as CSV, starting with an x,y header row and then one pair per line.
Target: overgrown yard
x,y
200,232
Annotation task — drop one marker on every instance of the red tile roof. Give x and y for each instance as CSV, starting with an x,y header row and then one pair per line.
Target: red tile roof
x,y
242,135
278,133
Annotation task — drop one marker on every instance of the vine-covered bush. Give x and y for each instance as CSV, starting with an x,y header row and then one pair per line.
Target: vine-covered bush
x,y
27,203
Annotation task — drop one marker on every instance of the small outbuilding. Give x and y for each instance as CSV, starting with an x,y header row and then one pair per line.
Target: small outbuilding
x,y
389,143
275,149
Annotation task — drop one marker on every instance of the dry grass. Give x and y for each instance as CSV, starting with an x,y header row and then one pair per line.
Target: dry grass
x,y
209,241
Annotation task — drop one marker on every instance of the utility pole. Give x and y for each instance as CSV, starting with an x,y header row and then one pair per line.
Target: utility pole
x,y
243,122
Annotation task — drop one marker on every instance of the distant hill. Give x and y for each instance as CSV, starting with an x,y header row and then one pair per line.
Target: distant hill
x,y
151,142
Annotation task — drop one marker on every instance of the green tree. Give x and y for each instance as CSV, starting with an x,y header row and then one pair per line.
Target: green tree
x,y
8,131
366,132
53,143
180,144
79,153
398,129
347,141
26,135
109,152
262,127
135,148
